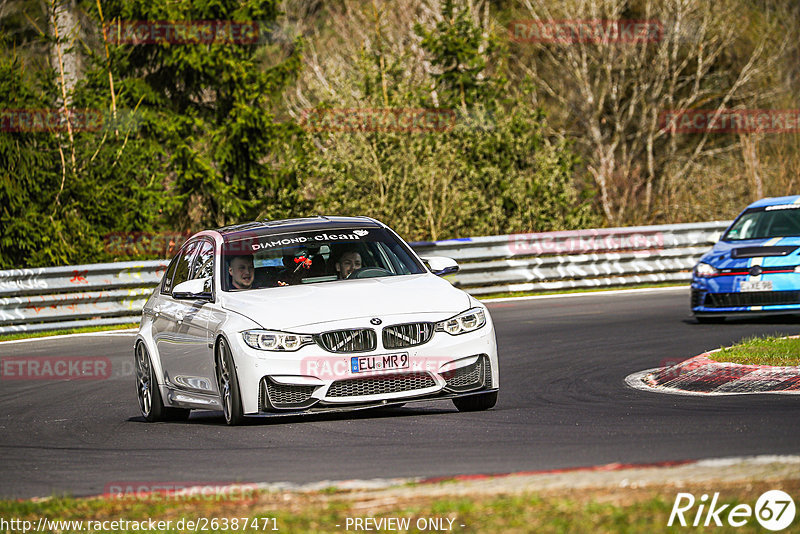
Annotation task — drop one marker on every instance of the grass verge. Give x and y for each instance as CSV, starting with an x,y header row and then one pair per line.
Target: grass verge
x,y
82,330
769,350
598,510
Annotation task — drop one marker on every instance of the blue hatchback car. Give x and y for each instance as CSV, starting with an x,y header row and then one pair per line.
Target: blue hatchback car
x,y
755,266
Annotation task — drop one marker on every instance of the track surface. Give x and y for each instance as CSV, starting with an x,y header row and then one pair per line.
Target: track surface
x,y
563,403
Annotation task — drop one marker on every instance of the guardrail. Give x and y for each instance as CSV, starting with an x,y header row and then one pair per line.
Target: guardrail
x,y
114,293
576,259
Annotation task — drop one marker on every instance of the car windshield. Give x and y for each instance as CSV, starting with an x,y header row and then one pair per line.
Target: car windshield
x,y
762,223
264,259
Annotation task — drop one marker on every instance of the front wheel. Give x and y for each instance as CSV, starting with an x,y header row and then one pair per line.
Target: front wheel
x,y
228,384
150,403
476,403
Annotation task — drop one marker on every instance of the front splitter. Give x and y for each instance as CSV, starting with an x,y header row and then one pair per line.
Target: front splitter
x,y
317,410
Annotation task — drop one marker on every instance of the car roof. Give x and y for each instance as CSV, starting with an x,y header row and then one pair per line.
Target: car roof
x,y
775,201
299,225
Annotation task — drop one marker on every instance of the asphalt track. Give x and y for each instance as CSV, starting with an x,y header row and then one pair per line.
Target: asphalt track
x,y
563,403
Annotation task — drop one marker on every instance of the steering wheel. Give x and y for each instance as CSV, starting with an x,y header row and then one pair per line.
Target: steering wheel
x,y
370,272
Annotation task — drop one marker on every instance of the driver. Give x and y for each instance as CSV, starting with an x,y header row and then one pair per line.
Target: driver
x,y
242,272
349,261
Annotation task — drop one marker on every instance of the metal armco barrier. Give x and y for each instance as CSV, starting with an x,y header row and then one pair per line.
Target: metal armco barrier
x,y
576,259
81,295
114,293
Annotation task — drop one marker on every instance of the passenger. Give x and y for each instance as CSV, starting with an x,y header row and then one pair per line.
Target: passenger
x,y
348,261
242,272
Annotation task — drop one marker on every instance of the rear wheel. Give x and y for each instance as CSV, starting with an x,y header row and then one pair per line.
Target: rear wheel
x,y
148,393
228,384
476,403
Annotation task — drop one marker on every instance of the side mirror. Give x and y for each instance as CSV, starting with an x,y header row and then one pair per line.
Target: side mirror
x,y
199,288
441,266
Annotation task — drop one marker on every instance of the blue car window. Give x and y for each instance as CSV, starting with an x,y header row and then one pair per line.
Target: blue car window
x,y
765,223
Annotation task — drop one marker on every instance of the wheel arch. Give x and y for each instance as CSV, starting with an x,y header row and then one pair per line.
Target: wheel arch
x,y
155,359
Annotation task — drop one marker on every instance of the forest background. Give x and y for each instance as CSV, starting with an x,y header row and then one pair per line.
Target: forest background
x,y
112,149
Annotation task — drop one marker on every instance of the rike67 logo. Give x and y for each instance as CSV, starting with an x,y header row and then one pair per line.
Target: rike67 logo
x,y
774,510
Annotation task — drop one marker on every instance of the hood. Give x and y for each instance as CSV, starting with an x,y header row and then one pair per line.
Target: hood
x,y
731,254
285,308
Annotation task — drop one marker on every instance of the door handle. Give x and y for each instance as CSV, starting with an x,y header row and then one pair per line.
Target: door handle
x,y
156,311
179,317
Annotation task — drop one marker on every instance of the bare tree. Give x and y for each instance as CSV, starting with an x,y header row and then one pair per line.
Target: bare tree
x,y
382,30
65,31
64,57
612,93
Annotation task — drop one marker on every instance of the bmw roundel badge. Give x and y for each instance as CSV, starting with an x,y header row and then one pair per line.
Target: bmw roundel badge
x,y
375,321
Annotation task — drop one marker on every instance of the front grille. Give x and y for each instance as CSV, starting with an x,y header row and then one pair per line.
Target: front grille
x,y
357,340
285,396
407,335
471,377
754,298
379,385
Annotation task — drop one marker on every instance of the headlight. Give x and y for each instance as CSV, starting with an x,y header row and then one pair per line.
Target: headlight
x,y
277,341
467,321
704,269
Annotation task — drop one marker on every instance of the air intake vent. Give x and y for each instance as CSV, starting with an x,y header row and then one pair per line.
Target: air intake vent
x,y
379,385
471,377
756,252
285,396
752,298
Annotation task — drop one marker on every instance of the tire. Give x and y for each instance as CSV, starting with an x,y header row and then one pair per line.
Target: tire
x,y
148,392
476,403
709,320
228,384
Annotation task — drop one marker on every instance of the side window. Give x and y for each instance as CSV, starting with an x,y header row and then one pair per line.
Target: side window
x,y
182,266
166,284
203,266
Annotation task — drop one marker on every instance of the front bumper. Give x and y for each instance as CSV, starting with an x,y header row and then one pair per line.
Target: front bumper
x,y
722,296
312,380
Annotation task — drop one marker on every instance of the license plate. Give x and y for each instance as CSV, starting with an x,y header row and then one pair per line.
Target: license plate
x,y
758,285
383,362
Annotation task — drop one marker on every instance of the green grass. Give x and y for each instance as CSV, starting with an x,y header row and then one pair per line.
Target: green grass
x,y
769,350
576,290
82,330
594,510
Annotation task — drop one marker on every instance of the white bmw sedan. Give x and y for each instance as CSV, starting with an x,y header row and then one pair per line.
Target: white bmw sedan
x,y
308,316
